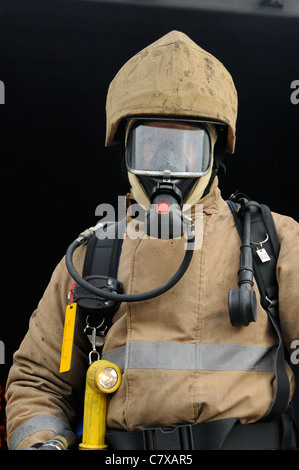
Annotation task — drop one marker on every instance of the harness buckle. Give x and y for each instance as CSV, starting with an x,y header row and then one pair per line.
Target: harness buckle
x,y
166,438
272,306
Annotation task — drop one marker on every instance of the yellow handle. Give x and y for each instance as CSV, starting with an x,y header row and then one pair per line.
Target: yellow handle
x,y
102,379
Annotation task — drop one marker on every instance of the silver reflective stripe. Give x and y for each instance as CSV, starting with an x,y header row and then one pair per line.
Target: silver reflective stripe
x,y
182,356
37,423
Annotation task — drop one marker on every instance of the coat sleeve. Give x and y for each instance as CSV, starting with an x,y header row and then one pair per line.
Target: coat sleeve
x,y
41,401
288,281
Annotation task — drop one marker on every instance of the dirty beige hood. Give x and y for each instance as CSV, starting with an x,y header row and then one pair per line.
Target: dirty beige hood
x,y
172,77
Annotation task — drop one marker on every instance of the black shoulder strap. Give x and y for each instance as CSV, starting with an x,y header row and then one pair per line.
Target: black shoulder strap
x,y
263,228
264,234
100,269
103,250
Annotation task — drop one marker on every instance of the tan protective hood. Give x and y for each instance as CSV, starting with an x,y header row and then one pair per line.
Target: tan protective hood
x,y
172,77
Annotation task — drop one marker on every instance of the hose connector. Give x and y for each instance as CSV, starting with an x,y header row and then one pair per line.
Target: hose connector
x,y
88,233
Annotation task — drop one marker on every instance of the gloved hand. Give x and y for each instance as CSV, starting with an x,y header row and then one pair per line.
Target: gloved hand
x,y
62,441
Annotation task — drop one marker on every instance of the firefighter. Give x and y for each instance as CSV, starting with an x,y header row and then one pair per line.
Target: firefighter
x,y
190,378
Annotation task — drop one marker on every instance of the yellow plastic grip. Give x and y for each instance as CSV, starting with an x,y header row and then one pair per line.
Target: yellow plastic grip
x,y
102,379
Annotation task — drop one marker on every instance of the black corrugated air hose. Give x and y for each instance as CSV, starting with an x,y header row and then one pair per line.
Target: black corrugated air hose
x,y
128,297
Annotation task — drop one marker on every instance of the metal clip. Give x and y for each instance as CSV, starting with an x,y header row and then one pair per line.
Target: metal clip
x,y
260,251
93,356
96,340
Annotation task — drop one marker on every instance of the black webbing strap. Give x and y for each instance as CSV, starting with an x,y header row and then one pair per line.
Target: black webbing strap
x,y
282,389
101,263
103,250
263,228
267,281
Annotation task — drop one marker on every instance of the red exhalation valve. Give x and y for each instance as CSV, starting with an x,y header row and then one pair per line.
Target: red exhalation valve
x,y
163,208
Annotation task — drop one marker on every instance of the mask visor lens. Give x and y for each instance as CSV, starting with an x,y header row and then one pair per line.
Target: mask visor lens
x,y
169,147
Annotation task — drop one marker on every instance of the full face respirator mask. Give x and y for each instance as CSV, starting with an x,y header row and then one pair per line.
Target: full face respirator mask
x,y
165,160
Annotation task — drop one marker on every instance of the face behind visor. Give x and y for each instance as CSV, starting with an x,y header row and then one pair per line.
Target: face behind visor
x,y
164,150
169,149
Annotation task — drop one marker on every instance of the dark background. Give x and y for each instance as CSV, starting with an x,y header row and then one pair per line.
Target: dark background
x,y
57,59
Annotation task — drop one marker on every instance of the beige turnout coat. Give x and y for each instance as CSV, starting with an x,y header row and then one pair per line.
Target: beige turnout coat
x,y
182,360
